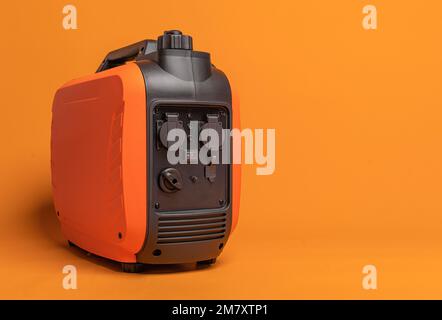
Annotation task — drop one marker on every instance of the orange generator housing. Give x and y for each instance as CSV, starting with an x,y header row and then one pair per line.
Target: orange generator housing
x,y
115,193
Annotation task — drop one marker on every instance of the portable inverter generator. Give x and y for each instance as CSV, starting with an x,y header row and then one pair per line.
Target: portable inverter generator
x,y
116,194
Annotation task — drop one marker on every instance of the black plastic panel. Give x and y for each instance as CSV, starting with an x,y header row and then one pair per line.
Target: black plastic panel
x,y
181,228
197,192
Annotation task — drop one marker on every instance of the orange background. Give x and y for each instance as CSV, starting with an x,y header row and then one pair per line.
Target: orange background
x,y
358,162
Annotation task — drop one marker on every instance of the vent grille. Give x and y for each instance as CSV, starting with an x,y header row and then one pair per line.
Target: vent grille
x,y
177,228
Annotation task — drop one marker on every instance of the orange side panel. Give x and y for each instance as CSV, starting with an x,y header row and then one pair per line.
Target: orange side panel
x,y
236,167
98,161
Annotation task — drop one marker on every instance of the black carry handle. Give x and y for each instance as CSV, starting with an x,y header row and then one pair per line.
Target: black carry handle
x,y
121,56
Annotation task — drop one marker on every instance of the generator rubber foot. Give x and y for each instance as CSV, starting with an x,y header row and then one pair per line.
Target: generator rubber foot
x,y
132,267
71,244
207,262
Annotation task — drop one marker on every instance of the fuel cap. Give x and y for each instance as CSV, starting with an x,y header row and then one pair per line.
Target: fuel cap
x,y
174,39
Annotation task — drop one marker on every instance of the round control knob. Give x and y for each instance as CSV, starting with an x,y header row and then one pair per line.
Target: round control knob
x,y
174,39
170,180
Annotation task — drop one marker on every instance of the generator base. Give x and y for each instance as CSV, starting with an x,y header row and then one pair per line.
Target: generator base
x,y
132,267
136,267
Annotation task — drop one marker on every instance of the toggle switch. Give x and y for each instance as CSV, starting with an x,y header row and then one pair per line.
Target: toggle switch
x,y
210,172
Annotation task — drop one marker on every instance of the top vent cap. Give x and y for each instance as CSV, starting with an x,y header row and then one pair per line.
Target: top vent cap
x,y
174,39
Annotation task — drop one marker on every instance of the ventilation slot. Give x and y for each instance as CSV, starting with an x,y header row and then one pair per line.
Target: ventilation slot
x,y
177,228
